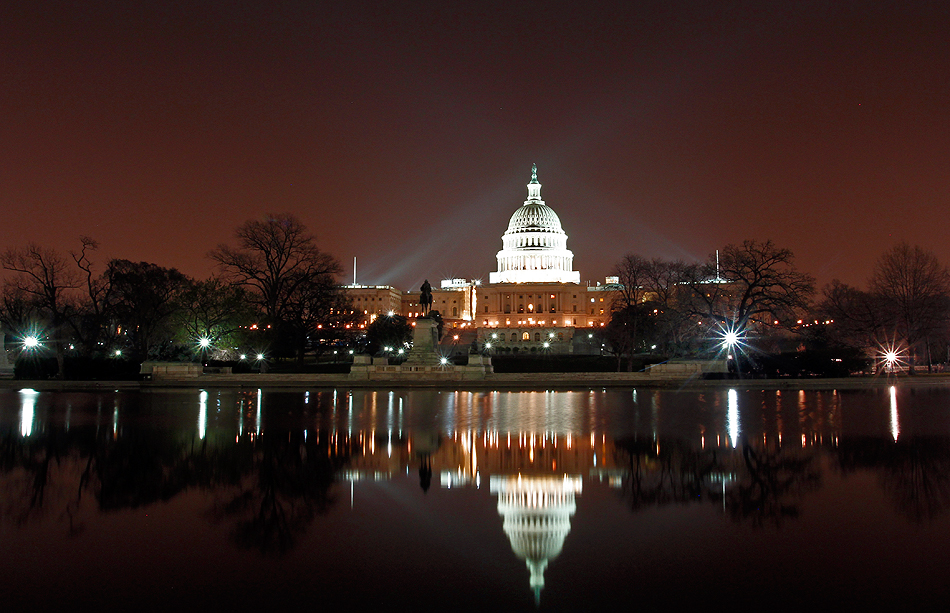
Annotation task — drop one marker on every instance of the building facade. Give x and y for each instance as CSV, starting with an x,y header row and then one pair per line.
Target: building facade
x,y
534,301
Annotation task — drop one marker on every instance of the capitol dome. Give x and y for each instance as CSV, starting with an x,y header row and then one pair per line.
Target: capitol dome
x,y
534,216
534,249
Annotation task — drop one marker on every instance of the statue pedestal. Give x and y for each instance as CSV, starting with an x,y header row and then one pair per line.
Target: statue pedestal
x,y
425,344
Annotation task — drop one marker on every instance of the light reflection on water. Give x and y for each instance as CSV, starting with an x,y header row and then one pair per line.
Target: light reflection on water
x,y
528,483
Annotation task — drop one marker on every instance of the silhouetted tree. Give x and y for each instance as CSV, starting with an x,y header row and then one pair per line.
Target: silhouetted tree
x,y
387,331
859,317
629,331
94,311
47,279
278,261
914,289
214,310
145,300
753,283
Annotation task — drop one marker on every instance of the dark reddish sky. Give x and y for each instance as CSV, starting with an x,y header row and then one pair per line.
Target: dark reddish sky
x,y
403,133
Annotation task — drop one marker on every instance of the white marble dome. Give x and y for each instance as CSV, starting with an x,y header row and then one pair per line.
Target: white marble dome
x,y
537,217
534,249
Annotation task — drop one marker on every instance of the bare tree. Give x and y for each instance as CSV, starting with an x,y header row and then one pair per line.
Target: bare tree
x,y
212,309
45,276
630,318
755,282
279,262
666,282
859,316
91,321
915,289
633,275
145,300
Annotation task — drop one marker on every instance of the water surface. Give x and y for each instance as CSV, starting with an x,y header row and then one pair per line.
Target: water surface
x,y
468,500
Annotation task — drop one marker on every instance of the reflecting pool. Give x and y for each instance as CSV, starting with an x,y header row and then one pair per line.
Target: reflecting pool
x,y
458,500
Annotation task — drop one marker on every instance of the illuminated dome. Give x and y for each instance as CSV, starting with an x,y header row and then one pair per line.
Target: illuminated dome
x,y
534,249
536,515
535,217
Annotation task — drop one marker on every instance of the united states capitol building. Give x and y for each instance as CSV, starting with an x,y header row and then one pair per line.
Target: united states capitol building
x,y
534,300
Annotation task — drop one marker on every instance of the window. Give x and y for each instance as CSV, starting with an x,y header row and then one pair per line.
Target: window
x,y
455,311
575,308
525,336
537,336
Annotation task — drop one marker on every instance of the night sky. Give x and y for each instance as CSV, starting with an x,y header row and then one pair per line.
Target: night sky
x,y
403,133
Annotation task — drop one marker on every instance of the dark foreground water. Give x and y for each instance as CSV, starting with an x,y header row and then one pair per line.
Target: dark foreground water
x,y
430,500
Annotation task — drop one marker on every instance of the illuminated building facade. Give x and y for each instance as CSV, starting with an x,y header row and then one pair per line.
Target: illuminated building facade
x,y
534,301
371,301
535,246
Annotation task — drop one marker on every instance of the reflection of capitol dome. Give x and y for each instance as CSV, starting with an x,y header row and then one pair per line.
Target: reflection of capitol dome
x,y
536,516
534,249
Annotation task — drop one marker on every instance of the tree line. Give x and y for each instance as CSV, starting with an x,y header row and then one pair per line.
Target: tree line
x,y
273,291
751,302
